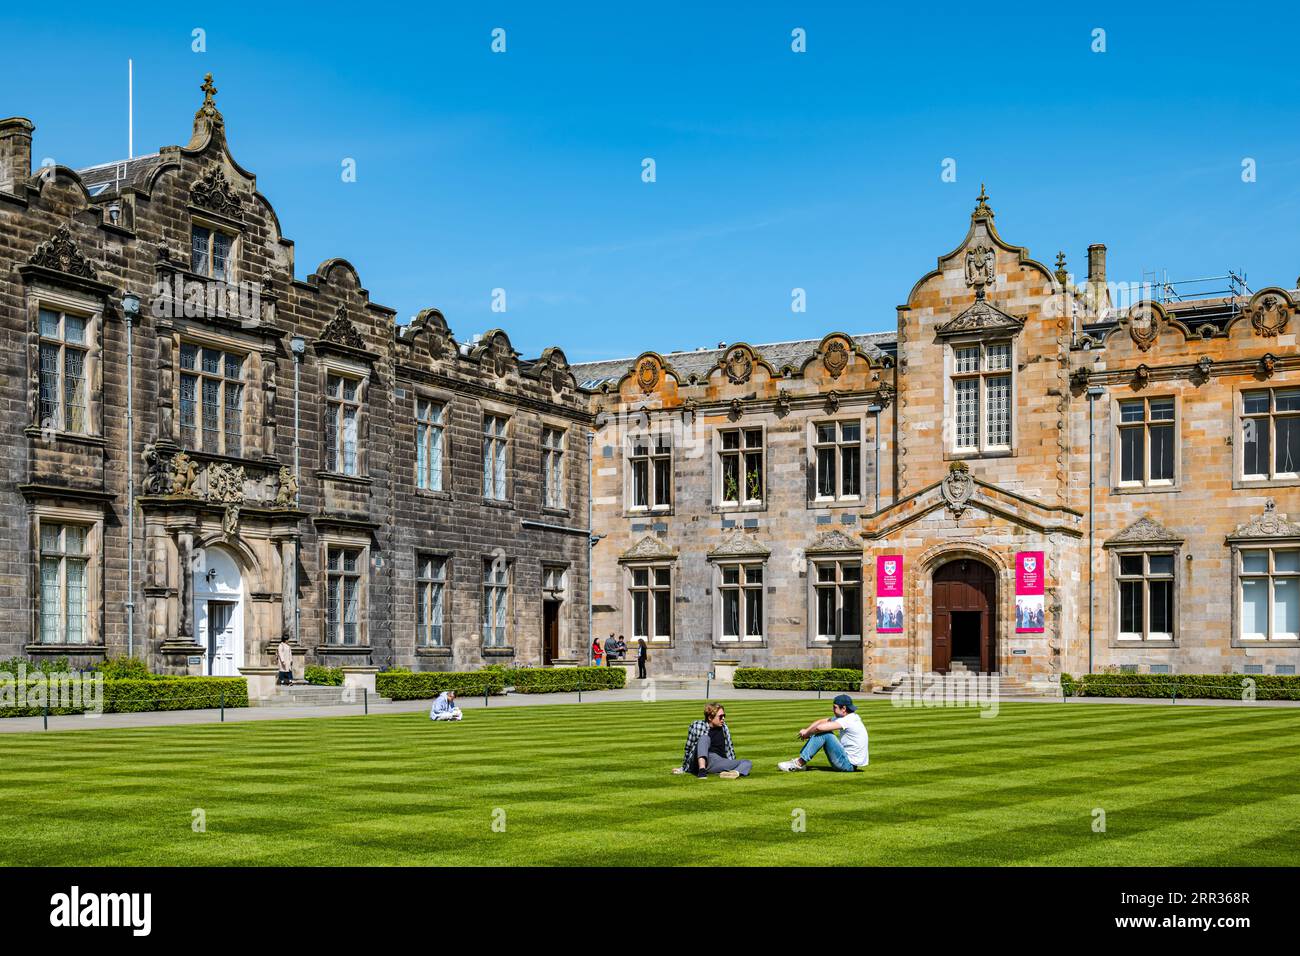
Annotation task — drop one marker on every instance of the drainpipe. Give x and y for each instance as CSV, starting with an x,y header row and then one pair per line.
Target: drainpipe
x,y
1094,392
875,440
130,309
298,345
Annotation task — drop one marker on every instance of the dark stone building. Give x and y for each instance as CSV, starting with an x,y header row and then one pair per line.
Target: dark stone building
x,y
291,461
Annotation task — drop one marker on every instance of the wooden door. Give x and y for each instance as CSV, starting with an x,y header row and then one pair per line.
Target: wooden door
x,y
964,585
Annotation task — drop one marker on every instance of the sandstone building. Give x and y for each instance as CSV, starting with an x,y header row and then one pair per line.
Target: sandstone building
x,y
290,461
1028,477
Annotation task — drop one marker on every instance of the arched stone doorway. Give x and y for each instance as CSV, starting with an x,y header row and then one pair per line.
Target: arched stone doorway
x,y
965,595
219,612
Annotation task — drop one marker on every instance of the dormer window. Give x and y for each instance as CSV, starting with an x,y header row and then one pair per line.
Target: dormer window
x,y
981,397
211,252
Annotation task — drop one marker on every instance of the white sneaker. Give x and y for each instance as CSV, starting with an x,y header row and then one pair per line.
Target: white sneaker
x,y
789,765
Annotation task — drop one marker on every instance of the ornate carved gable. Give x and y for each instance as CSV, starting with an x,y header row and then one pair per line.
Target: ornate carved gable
x,y
983,316
341,331
738,363
833,541
648,548
740,544
957,488
1270,311
1144,531
835,357
215,192
1271,524
61,254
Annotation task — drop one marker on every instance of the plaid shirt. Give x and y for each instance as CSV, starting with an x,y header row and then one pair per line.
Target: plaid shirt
x,y
700,729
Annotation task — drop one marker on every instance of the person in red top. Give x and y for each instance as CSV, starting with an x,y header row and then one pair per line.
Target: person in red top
x,y
596,652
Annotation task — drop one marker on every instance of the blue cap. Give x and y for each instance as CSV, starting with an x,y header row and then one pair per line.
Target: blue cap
x,y
844,700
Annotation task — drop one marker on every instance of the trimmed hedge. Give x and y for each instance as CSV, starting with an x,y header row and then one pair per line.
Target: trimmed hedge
x,y
323,676
132,696
1203,686
829,678
425,685
556,680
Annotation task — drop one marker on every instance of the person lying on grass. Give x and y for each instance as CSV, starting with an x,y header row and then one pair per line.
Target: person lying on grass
x,y
709,750
444,708
847,753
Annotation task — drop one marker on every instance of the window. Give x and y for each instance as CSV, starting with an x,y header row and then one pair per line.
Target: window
x,y
1146,596
342,412
837,450
650,460
430,585
210,252
740,594
652,596
428,444
212,396
552,468
1146,441
496,597
342,605
981,389
553,580
837,587
741,466
1270,433
494,457
63,372
64,568
1270,594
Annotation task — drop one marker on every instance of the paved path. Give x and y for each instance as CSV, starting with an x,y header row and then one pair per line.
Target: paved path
x,y
717,691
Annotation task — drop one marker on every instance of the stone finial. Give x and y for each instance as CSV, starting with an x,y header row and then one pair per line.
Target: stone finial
x,y
208,122
982,208
1061,273
209,91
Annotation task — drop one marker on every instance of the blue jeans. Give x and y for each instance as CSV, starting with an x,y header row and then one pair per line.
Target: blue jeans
x,y
834,752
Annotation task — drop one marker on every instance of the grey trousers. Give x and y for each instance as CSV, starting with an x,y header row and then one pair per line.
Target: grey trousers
x,y
716,763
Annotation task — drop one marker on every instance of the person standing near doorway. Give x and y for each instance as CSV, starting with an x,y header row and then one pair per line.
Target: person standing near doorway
x,y
596,652
284,660
642,657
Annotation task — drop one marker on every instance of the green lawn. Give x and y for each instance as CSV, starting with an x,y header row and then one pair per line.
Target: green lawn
x,y
589,784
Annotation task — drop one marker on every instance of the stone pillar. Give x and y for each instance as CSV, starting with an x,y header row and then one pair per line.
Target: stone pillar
x,y
288,586
185,553
15,152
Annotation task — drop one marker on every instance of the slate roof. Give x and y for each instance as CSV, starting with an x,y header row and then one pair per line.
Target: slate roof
x,y
698,362
109,178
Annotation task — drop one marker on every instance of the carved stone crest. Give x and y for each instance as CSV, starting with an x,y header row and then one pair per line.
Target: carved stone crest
x,y
214,191
1269,315
980,268
836,358
647,374
341,331
1270,524
1144,326
957,488
61,254
226,483
739,366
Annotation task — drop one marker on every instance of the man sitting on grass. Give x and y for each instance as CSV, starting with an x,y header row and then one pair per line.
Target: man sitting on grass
x,y
444,708
709,750
847,753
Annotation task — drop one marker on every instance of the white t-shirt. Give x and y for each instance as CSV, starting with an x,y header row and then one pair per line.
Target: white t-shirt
x,y
853,738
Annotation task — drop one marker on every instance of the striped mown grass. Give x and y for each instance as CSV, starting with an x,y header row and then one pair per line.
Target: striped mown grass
x,y
589,784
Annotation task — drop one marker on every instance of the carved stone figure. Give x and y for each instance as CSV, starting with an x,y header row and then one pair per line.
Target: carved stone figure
x,y
980,268
184,473
158,471
286,492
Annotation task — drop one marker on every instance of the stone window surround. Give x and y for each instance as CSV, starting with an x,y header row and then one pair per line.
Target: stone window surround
x,y
250,440
92,518
508,648
447,400
839,501
626,567
950,450
810,599
360,372
92,310
561,594
1116,462
1235,549
214,223
447,559
739,425
630,509
337,539
1155,547
566,430
1238,445
509,413
742,641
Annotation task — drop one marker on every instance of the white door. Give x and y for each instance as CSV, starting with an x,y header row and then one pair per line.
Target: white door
x,y
223,648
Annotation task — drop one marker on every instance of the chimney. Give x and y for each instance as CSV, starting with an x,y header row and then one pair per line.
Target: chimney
x,y
15,152
1097,263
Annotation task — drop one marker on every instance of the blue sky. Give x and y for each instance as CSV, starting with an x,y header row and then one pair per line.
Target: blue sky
x,y
775,170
